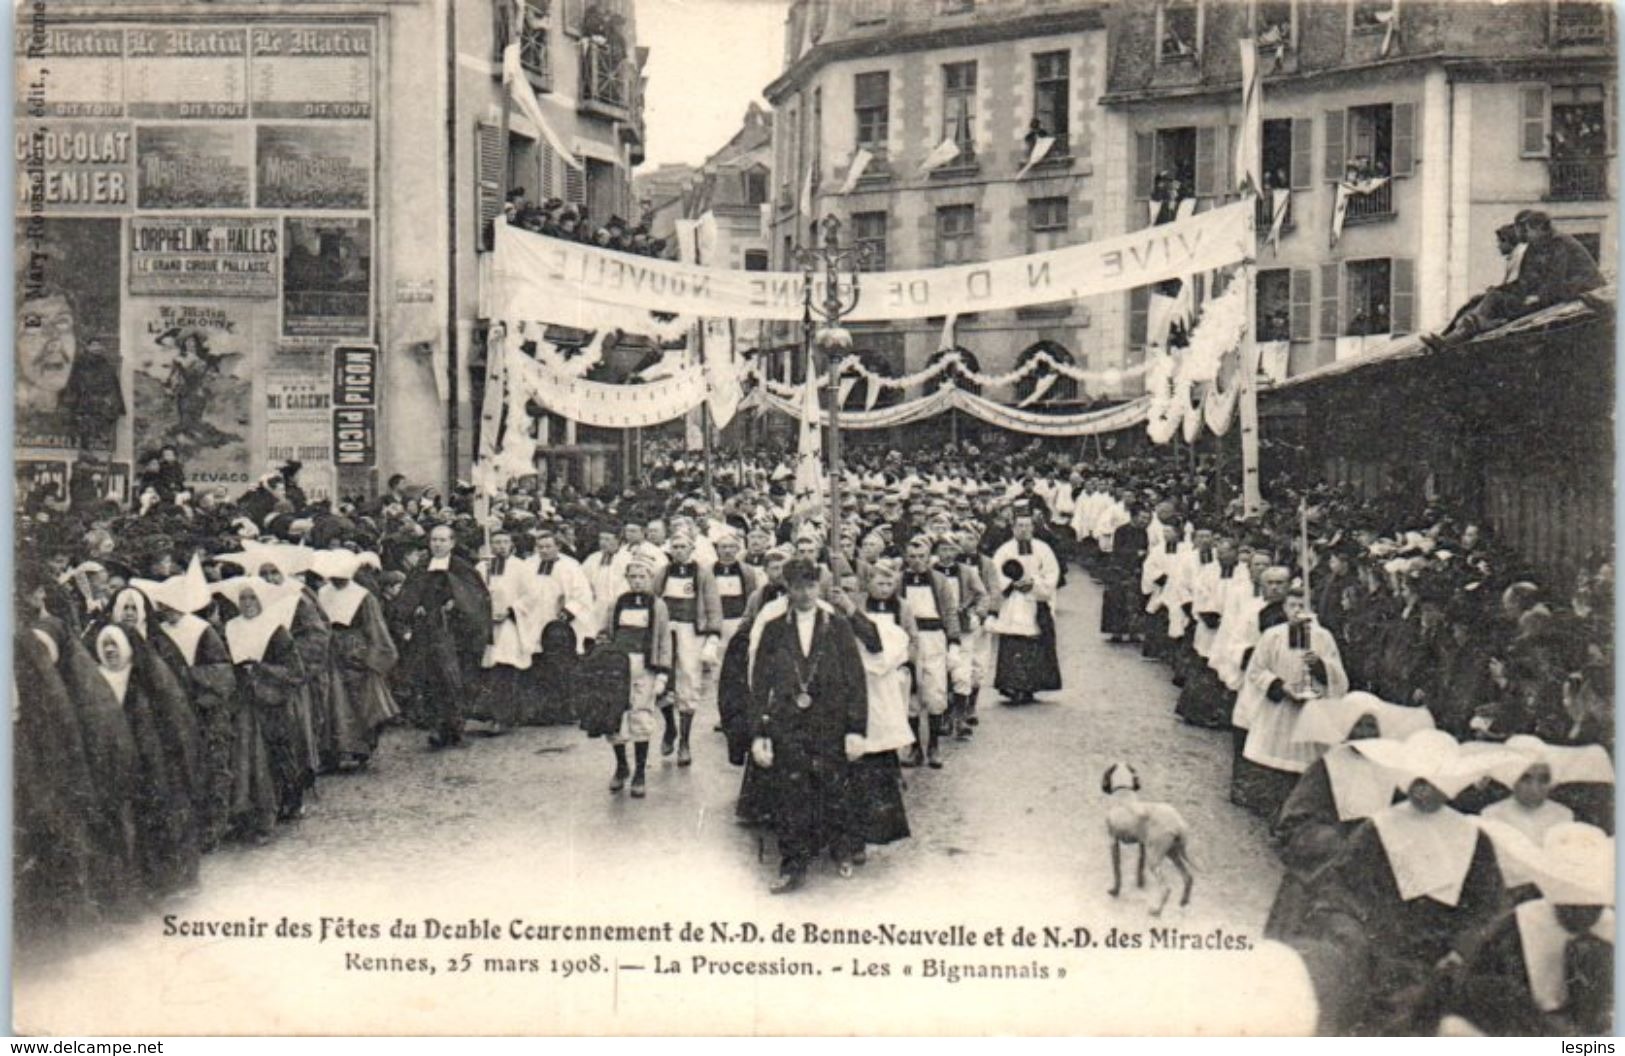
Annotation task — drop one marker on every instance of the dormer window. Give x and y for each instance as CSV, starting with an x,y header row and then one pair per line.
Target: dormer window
x,y
1276,31
1179,36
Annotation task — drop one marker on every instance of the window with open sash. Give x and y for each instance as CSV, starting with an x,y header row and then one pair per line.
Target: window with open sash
x,y
959,108
1275,29
869,231
1052,90
1178,31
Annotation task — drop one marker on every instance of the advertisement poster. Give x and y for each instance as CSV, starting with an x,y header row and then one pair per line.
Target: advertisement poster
x,y
355,436
94,480
82,166
204,256
65,71
355,376
193,167
186,72
314,166
312,72
298,422
193,383
67,333
40,480
327,277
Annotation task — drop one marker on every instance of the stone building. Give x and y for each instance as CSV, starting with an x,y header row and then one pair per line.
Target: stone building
x,y
1455,115
900,79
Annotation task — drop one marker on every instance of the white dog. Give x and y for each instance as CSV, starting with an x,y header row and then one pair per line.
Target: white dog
x,y
1156,827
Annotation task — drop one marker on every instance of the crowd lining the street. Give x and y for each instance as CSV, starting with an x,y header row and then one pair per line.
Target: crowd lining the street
x,y
1425,722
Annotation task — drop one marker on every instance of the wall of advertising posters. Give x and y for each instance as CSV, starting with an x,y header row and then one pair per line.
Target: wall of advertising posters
x,y
196,208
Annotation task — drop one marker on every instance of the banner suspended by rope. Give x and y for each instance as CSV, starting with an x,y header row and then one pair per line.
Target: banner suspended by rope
x,y
532,270
1033,423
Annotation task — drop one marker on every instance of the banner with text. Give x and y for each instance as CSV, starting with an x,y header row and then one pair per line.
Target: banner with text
x,y
533,271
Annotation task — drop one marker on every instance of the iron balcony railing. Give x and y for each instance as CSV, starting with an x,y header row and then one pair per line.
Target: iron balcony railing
x,y
1373,205
606,78
1578,179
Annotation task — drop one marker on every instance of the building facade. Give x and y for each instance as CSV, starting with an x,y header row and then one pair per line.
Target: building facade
x,y
898,80
248,234
220,237
585,66
1458,114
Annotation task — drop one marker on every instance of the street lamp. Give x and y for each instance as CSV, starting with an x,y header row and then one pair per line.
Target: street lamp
x,y
830,258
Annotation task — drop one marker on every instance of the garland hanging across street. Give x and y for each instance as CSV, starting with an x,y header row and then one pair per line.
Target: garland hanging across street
x,y
1087,423
954,359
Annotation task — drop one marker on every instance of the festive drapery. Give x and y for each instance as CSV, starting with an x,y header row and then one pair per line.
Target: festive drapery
x,y
533,270
1086,423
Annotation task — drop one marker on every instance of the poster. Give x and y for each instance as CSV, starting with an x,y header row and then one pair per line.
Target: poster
x,y
355,376
327,277
355,436
45,477
184,71
193,367
78,166
298,421
213,256
193,166
312,71
94,480
313,166
68,71
67,333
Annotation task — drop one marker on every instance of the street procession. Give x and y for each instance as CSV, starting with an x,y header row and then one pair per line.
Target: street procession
x,y
1155,457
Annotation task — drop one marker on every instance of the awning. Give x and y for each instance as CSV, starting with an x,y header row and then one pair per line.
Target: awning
x,y
1408,347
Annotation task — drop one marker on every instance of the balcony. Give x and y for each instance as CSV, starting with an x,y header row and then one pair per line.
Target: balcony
x,y
1264,215
1579,23
1372,206
1578,179
608,81
535,57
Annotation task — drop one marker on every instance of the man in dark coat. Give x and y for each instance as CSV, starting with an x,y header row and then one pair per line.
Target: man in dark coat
x,y
448,612
811,711
1555,268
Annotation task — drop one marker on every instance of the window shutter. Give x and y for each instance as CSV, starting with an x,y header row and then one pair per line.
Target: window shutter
x,y
1533,110
1207,148
575,183
501,31
1611,112
489,163
1404,149
1335,145
548,190
1302,302
572,16
1228,186
1145,165
1402,294
1303,153
1139,301
1330,322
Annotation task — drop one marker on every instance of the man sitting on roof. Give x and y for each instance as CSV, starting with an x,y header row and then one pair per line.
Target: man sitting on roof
x,y
1553,268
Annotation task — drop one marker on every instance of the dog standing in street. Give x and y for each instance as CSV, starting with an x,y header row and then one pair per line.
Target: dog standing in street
x,y
1156,827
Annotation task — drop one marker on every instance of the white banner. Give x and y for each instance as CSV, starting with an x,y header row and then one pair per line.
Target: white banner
x,y
605,405
533,272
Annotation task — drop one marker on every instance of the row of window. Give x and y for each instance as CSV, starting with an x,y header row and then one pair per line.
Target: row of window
x,y
871,94
1047,228
1274,24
